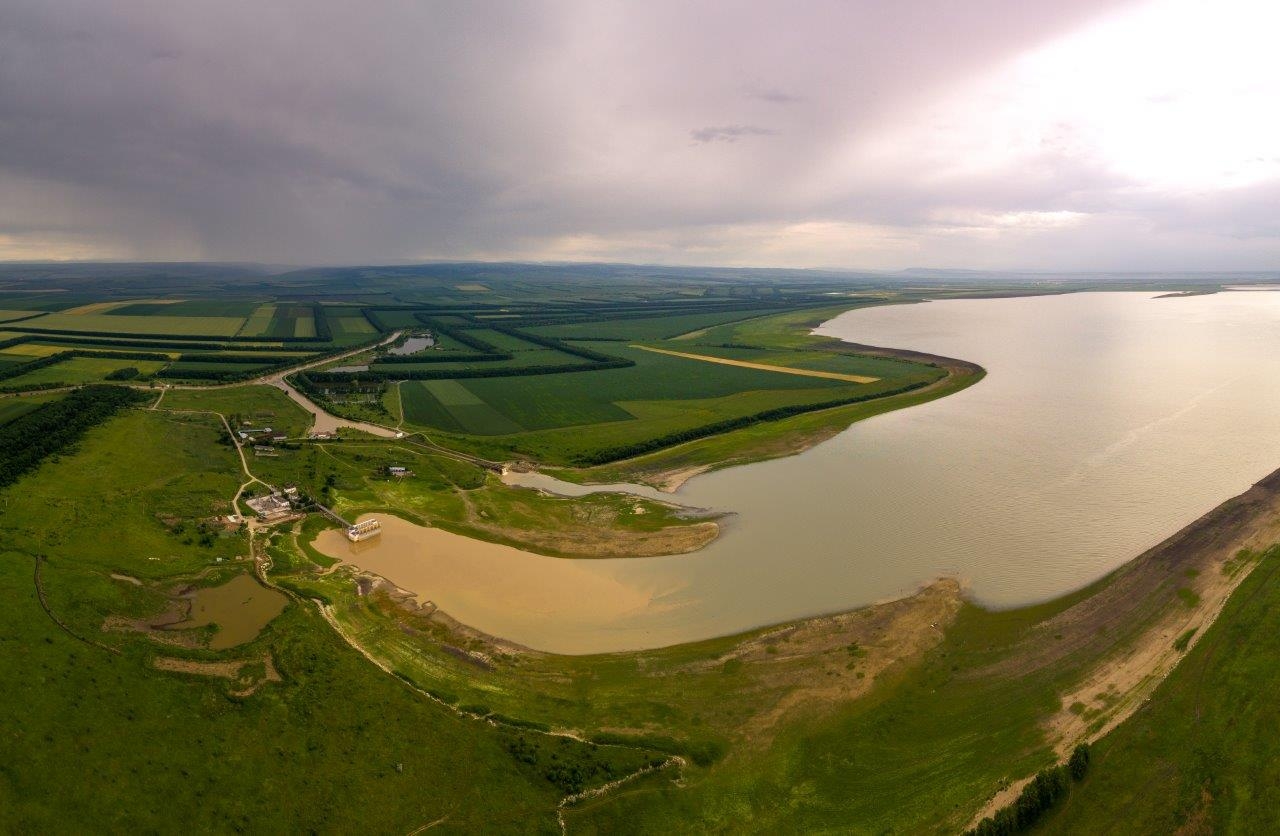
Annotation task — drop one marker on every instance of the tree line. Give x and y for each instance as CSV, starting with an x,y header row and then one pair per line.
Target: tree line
x,y
1038,797
639,448
186,338
29,439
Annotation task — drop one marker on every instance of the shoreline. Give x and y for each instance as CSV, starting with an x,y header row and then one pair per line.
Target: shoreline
x,y
960,374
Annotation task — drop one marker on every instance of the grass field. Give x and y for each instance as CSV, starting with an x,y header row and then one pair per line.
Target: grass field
x,y
202,308
159,323
756,362
82,370
264,405
646,328
1200,756
659,395
11,408
349,326
258,324
175,747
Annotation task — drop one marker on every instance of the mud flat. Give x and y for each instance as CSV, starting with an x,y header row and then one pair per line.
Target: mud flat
x,y
549,603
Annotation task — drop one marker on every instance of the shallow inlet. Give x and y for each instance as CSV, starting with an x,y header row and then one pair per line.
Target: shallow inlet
x,y
1107,422
240,608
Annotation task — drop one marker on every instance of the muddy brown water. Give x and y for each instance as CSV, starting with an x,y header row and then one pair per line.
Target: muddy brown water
x,y
240,608
1107,421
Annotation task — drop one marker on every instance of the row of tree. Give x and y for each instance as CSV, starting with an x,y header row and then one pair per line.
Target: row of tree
x,y
29,439
558,345
639,448
60,339
20,369
183,338
1038,797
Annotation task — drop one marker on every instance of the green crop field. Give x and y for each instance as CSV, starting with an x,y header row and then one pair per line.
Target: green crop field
x,y
262,405
176,369
397,319
455,406
194,307
258,324
349,326
291,321
11,408
212,326
79,370
650,328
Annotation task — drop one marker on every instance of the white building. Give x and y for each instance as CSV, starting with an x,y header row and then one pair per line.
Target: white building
x,y
363,530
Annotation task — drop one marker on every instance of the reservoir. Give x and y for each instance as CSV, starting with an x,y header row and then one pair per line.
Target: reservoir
x,y
1106,422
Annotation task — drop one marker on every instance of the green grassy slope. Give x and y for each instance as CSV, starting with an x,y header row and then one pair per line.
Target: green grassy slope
x,y
103,737
1201,754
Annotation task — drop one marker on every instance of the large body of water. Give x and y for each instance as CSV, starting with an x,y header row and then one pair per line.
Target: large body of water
x,y
1106,422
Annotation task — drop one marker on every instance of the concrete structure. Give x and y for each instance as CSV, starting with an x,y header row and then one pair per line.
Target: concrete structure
x,y
364,530
270,508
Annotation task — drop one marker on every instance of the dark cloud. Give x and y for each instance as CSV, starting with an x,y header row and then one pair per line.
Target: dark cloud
x,y
311,131
728,133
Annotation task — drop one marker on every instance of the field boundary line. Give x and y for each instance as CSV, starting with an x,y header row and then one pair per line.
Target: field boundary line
x,y
745,364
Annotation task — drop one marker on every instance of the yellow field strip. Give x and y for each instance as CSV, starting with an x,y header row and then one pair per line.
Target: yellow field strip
x,y
851,378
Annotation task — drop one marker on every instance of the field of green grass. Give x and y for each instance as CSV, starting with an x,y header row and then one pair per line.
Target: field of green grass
x,y
153,323
79,370
190,308
1199,757
168,747
11,408
349,327
558,418
263,405
644,328
258,323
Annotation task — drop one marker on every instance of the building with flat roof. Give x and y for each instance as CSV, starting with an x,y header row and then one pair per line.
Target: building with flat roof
x,y
363,530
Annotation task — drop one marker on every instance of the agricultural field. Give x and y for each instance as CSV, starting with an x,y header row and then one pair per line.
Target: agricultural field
x,y
285,321
656,395
78,370
349,327
155,324
645,328
201,308
11,408
9,316
261,405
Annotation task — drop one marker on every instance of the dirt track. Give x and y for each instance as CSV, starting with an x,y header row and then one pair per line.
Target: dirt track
x,y
724,361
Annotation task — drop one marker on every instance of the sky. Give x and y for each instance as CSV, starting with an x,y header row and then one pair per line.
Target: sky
x,y
1078,135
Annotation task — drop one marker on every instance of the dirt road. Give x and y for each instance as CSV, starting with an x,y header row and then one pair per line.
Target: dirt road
x,y
744,364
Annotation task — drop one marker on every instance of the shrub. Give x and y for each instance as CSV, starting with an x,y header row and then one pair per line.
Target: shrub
x,y
1078,763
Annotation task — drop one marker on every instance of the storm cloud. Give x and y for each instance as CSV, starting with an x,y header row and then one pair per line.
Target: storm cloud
x,y
839,134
